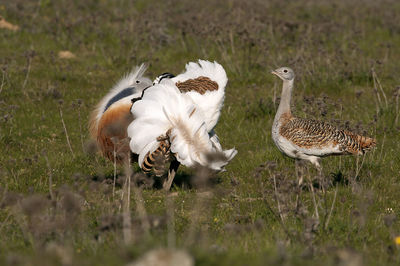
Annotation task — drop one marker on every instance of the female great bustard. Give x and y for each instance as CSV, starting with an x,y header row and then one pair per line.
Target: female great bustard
x,y
309,139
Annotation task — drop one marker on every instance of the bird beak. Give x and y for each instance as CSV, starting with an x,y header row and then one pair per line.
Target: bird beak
x,y
274,72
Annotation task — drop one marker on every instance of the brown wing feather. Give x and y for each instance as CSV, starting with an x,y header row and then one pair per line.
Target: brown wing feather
x,y
309,133
201,85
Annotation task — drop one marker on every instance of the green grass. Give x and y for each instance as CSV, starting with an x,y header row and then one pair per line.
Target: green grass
x,y
332,46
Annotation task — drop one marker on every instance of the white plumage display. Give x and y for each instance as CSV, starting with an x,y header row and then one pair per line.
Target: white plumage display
x,y
175,119
170,120
165,112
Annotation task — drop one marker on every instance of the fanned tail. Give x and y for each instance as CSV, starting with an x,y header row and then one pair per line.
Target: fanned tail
x,y
165,112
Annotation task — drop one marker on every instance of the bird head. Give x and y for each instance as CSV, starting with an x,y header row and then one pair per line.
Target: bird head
x,y
284,73
138,82
141,83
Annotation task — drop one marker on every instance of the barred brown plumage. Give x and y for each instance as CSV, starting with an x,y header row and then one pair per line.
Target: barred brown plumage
x,y
200,85
310,139
309,133
156,160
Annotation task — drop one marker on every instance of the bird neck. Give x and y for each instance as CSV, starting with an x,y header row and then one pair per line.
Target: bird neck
x,y
284,105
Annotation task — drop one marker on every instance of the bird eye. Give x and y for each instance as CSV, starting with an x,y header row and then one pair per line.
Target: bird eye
x,y
137,81
285,70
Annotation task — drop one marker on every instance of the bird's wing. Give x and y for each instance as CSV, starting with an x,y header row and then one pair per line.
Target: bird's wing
x,y
204,82
164,111
318,138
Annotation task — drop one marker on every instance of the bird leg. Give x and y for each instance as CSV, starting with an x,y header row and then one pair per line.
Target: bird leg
x,y
299,181
300,178
173,168
320,176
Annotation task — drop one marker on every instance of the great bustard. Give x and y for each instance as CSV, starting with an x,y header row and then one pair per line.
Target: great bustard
x,y
310,139
169,120
174,120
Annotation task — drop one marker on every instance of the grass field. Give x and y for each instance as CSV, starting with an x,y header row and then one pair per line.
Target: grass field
x,y
57,202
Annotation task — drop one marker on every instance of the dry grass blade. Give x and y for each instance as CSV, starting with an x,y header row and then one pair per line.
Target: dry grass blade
x,y
2,81
171,175
66,133
27,74
79,103
331,209
377,84
310,184
277,200
358,167
396,120
50,177
126,213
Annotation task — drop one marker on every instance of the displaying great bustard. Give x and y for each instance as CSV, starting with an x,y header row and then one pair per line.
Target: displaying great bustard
x,y
174,120
170,120
309,139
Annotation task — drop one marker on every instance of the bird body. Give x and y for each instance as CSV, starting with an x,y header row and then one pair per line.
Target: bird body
x,y
111,117
310,139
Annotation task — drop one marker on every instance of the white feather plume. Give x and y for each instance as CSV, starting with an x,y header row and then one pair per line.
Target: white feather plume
x,y
162,108
212,101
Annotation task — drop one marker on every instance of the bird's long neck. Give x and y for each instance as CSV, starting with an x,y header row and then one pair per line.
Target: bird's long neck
x,y
284,105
